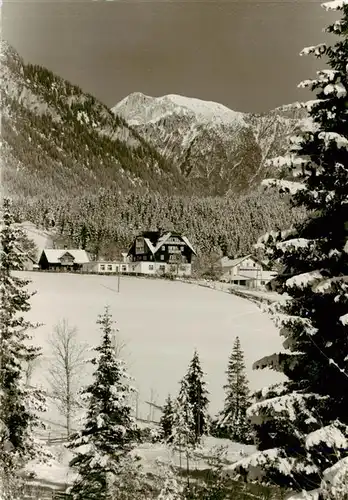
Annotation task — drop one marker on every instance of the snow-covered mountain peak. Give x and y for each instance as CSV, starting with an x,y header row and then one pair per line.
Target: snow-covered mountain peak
x,y
141,109
210,144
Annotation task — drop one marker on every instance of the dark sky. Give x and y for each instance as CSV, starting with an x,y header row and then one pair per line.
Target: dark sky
x,y
242,53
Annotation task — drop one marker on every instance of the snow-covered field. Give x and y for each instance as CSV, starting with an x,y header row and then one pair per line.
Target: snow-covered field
x,y
57,471
162,322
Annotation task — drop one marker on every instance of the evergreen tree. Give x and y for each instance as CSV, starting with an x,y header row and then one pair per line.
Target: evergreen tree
x,y
171,489
183,437
19,405
109,433
302,424
233,421
166,421
198,397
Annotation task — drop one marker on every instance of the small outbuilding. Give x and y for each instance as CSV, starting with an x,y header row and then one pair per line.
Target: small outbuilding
x,y
63,260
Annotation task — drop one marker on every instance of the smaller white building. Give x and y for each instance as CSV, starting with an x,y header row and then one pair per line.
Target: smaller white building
x,y
107,267
245,271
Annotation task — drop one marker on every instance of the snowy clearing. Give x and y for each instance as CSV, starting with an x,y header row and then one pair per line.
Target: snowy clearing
x,y
162,322
57,470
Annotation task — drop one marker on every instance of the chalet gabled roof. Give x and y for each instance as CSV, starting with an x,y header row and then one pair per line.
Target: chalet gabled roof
x,y
235,262
186,240
53,256
154,240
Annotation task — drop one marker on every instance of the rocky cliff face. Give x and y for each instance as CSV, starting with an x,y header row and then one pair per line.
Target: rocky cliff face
x,y
216,149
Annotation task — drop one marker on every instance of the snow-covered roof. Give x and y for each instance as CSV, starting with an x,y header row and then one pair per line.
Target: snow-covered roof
x,y
150,245
186,240
227,262
163,239
53,255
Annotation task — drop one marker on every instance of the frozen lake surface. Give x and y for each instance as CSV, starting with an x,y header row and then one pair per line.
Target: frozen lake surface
x,y
162,322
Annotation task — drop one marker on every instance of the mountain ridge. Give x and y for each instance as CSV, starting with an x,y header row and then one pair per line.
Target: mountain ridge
x,y
207,141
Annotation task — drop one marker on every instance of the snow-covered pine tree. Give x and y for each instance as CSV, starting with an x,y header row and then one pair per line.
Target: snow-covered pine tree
x,y
171,487
233,421
302,424
183,438
109,433
19,404
166,420
198,397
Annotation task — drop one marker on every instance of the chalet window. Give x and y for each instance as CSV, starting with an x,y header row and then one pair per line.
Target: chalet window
x,y
182,248
102,267
150,267
124,268
117,268
162,257
162,268
109,267
163,248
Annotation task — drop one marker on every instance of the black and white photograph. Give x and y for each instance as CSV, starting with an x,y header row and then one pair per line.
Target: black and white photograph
x,y
174,250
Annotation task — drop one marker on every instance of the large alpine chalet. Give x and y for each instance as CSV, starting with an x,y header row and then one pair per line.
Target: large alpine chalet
x,y
156,252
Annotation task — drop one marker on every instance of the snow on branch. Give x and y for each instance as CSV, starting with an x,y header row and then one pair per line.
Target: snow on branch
x,y
289,161
317,50
328,75
330,436
294,244
344,319
288,405
336,89
335,479
276,389
304,280
271,361
256,464
329,137
276,362
328,285
335,5
336,27
291,187
287,322
309,105
306,83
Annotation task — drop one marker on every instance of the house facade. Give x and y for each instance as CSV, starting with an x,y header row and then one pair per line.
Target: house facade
x,y
63,260
106,267
154,252
245,271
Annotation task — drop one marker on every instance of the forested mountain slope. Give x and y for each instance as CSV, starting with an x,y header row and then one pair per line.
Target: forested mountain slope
x,y
94,181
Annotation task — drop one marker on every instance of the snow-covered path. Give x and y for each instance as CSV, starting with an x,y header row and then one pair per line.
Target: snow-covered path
x,y
162,323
